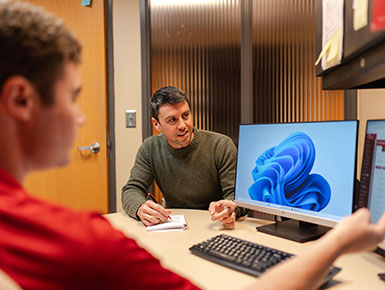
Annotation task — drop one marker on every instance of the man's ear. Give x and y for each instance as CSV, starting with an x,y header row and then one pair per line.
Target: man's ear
x,y
156,124
17,97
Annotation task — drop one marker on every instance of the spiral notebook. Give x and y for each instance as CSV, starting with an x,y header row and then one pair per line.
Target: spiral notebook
x,y
177,223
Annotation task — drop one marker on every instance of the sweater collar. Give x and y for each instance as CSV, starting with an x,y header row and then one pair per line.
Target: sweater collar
x,y
181,152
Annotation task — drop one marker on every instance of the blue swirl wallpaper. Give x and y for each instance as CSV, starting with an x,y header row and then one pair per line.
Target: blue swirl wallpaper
x,y
282,175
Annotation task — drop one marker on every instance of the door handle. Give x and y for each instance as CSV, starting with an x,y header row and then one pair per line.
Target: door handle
x,y
94,148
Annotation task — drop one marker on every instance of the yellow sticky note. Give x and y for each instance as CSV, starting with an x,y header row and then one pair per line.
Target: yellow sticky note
x,y
360,14
332,53
323,52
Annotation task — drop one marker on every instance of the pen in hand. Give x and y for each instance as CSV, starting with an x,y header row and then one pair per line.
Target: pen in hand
x,y
151,197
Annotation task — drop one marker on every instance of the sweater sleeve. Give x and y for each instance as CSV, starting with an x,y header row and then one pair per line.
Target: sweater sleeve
x,y
135,190
227,160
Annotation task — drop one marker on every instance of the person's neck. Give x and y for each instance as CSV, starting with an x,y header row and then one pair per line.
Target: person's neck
x,y
11,159
12,167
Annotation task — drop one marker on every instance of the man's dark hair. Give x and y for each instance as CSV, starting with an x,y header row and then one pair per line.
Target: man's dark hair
x,y
164,96
36,45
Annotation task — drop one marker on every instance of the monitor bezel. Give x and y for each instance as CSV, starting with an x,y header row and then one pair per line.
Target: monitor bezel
x,y
380,246
295,215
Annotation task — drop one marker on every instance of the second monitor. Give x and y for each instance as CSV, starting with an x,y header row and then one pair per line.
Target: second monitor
x,y
303,171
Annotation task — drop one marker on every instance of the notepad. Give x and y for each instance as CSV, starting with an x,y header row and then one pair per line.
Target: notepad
x,y
177,223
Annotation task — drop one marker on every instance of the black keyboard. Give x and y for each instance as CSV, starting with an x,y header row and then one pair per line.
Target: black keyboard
x,y
244,256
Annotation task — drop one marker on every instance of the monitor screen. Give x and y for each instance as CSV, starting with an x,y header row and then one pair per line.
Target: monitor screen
x,y
304,171
372,181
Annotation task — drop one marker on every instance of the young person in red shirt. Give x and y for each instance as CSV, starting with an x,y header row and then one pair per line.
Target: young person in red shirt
x,y
46,246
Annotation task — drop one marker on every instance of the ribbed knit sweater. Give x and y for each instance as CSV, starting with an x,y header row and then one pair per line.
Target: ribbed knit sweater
x,y
190,177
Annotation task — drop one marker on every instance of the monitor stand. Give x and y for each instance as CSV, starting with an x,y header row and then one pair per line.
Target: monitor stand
x,y
380,251
294,230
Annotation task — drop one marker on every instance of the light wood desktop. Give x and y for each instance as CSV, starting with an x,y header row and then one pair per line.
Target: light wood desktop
x,y
7,283
359,271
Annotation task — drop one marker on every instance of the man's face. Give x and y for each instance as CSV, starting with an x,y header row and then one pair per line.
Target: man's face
x,y
175,122
54,127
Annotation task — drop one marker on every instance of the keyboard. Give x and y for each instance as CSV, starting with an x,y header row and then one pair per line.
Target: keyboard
x,y
244,256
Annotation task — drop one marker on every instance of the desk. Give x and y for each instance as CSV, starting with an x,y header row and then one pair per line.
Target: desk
x,y
359,271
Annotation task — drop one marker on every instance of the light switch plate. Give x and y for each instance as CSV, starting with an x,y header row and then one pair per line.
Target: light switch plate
x,y
130,118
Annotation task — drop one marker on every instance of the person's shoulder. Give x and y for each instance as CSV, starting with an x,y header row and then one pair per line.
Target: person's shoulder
x,y
153,141
73,228
90,235
212,134
98,225
215,137
88,229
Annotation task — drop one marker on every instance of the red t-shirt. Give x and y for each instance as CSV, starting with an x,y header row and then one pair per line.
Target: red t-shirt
x,y
46,246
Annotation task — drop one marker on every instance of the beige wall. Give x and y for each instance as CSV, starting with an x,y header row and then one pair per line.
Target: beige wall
x,y
126,26
371,105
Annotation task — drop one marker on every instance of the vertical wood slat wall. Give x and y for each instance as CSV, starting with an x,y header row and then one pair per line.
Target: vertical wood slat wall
x,y
285,86
195,45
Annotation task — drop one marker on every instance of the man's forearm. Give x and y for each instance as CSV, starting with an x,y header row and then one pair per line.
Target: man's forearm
x,y
131,201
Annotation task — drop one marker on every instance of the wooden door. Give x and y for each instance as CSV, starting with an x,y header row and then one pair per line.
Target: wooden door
x,y
84,183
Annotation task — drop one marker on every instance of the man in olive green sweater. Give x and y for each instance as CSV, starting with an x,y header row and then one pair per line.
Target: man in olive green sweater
x,y
193,168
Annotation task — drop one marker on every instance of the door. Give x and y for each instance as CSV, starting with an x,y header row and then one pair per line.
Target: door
x,y
84,183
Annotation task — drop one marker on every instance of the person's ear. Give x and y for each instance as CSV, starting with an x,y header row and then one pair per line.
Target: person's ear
x,y
156,124
17,97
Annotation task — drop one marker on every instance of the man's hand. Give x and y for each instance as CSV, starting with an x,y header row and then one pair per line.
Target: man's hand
x,y
223,211
152,213
355,233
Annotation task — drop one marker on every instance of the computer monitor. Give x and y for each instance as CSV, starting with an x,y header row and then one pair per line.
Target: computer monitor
x,y
303,171
372,181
